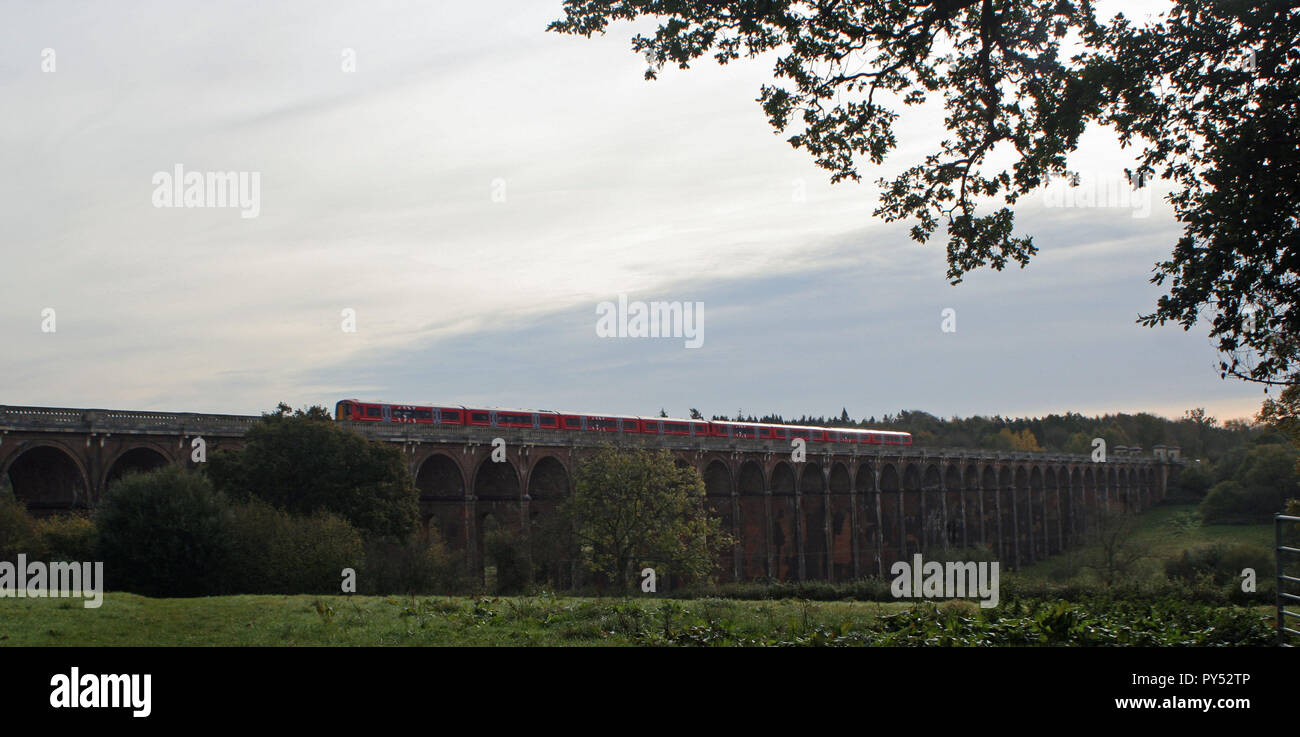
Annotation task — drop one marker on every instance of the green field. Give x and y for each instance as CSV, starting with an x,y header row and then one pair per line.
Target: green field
x,y
127,619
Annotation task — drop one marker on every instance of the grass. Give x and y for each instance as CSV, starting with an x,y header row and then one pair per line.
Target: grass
x,y
547,620
127,619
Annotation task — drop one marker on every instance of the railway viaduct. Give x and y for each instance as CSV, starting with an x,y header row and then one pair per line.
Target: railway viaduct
x,y
844,512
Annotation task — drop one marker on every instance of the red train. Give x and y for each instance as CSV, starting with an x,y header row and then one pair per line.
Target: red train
x,y
357,411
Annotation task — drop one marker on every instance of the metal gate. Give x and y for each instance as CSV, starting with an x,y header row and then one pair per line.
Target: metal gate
x,y
1286,535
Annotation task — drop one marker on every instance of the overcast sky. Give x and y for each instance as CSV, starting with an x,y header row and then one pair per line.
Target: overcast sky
x,y
473,189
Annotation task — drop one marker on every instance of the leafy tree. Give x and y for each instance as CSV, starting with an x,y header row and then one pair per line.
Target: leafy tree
x,y
1283,415
636,508
165,533
304,463
1208,91
1195,480
695,414
1255,484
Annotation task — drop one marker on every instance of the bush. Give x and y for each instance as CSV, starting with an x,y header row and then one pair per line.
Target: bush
x,y
17,528
507,553
277,553
1220,563
66,538
1224,503
164,533
418,564
1193,482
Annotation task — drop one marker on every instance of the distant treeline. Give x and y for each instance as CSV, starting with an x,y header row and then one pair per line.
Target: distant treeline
x,y
1196,433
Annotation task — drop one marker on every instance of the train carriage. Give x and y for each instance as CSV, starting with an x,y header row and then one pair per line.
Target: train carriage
x,y
357,411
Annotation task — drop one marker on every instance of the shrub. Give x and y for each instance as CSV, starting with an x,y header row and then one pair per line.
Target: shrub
x,y
418,564
164,533
1220,563
1193,482
507,552
275,552
17,528
66,538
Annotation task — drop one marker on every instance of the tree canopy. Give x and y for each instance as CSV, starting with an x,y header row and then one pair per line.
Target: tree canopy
x,y
634,508
1209,91
302,462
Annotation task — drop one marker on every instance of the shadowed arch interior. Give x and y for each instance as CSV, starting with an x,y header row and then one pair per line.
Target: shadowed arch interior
x,y
135,460
442,489
752,525
496,480
47,478
785,549
548,480
439,478
812,484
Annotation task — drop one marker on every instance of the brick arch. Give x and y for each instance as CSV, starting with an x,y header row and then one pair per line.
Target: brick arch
x,y
910,524
135,458
891,535
974,520
1054,520
717,478
496,480
48,475
718,498
812,488
785,545
548,478
1037,514
751,525
440,481
868,519
954,499
842,522
440,476
865,479
931,532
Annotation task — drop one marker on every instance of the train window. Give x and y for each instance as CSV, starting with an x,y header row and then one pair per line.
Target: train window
x,y
547,420
573,423
424,414
700,428
597,424
514,419
449,415
675,427
629,425
478,416
372,411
